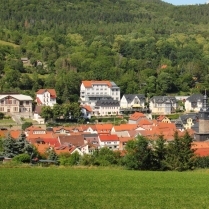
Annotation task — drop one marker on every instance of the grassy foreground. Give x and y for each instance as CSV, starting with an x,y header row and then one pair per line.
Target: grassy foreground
x,y
96,188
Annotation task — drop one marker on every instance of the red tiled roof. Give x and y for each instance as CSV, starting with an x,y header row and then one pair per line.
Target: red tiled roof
x,y
160,118
38,100
108,138
144,122
88,108
51,91
125,127
34,128
89,84
136,116
76,140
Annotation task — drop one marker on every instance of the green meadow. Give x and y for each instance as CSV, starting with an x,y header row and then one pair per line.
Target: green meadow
x,y
101,188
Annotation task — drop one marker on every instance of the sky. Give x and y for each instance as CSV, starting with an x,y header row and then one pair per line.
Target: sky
x,y
186,2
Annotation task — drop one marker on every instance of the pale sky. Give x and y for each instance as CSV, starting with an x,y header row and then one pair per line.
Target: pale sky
x,y
184,2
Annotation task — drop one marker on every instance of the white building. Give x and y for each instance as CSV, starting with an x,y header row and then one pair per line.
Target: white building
x,y
16,104
194,103
109,141
93,91
106,107
46,97
132,101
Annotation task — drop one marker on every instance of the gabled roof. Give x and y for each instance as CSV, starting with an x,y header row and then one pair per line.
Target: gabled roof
x,y
34,128
163,99
76,140
19,97
130,97
103,127
108,103
87,107
144,122
51,91
108,137
136,116
38,101
195,98
125,127
88,84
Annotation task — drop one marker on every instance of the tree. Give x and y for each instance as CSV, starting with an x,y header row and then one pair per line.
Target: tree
x,y
9,146
160,152
139,154
47,113
180,155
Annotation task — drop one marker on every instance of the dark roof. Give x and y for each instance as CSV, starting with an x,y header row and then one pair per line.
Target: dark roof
x,y
76,140
195,98
130,97
193,116
108,103
195,127
163,99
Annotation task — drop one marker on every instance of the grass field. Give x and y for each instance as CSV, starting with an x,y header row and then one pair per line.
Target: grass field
x,y
99,188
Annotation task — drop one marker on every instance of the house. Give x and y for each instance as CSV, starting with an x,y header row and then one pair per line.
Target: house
x,y
34,130
73,140
15,103
62,130
136,117
189,120
129,101
163,105
46,97
106,107
163,119
123,129
110,141
93,91
103,128
86,111
194,103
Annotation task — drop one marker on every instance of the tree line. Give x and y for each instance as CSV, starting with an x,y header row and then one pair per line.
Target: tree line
x,y
148,47
139,154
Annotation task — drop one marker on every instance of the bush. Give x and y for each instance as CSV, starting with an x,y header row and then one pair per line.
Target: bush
x,y
1,115
26,125
22,158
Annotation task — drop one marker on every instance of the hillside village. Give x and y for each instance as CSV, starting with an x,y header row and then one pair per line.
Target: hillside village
x,y
149,118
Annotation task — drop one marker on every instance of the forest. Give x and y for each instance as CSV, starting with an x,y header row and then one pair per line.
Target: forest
x,y
148,47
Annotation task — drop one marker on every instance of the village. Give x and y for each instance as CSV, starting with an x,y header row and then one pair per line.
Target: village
x,y
148,117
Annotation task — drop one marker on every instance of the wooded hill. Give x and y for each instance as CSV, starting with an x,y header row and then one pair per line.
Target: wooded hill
x,y
149,47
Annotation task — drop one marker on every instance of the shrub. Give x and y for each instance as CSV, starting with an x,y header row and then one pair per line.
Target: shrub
x,y
22,158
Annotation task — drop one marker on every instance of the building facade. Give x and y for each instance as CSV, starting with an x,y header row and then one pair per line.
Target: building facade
x,y
163,105
132,101
15,103
46,97
194,103
93,91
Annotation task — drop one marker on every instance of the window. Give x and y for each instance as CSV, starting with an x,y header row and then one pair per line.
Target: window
x,y
27,102
15,109
2,101
2,109
21,103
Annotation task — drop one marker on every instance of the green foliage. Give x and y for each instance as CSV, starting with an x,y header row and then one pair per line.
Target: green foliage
x,y
51,154
1,115
26,125
124,44
22,158
69,159
180,154
13,147
139,154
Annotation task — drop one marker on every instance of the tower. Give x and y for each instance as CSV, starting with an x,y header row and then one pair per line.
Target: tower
x,y
203,133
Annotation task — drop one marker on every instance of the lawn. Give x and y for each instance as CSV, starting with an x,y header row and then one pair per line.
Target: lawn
x,y
99,188
7,122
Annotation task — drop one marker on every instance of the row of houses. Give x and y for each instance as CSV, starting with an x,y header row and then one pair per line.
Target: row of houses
x,y
100,98
85,139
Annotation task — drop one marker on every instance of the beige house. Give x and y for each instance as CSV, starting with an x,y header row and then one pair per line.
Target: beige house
x,y
15,103
163,105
